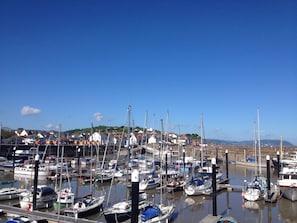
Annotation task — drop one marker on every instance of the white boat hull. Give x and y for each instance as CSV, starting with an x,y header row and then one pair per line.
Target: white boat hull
x,y
252,194
147,185
196,190
289,192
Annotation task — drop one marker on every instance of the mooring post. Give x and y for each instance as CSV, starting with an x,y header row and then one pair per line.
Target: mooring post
x,y
135,195
13,157
227,164
35,180
278,163
214,187
268,172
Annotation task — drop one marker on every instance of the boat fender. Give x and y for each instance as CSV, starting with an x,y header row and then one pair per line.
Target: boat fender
x,y
28,207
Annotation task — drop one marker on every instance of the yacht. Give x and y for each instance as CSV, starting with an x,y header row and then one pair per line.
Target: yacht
x,y
288,182
45,197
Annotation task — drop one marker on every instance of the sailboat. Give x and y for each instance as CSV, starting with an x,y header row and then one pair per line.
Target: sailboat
x,y
122,211
257,188
65,195
158,212
89,204
200,185
205,169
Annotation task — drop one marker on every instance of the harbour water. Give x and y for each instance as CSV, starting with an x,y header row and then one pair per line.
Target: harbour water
x,y
193,209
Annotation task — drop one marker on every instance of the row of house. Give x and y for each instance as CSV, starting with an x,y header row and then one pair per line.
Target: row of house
x,y
34,137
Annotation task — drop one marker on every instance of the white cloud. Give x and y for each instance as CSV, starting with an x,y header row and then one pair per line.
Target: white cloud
x,y
98,116
49,126
27,110
218,129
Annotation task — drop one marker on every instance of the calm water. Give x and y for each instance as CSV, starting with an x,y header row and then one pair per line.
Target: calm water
x,y
193,209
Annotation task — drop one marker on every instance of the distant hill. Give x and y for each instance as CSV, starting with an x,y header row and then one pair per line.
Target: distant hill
x,y
264,142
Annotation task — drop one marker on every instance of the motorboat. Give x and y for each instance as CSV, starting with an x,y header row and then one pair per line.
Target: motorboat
x,y
45,197
10,193
288,182
29,170
175,184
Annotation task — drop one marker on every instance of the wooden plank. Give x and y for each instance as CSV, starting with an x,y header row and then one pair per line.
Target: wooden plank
x,y
38,215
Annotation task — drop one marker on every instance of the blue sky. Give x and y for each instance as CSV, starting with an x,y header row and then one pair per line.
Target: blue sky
x,y
75,63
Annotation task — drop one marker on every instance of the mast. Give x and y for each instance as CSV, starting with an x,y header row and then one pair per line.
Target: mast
x,y
129,111
259,141
255,148
178,144
105,151
281,147
58,155
167,130
144,129
91,173
201,139
161,151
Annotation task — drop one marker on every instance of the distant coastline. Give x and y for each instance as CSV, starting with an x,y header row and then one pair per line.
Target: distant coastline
x,y
264,142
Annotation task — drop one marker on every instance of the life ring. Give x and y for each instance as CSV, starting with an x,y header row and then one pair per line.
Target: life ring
x,y
28,207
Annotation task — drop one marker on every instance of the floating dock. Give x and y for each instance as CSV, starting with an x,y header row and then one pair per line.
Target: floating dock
x,y
39,215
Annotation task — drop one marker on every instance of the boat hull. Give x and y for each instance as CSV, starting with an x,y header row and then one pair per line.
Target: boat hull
x,y
289,192
8,197
94,208
58,206
194,191
117,217
252,194
28,205
10,193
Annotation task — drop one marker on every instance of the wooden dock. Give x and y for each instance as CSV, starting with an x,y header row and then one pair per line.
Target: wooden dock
x,y
229,187
39,215
224,185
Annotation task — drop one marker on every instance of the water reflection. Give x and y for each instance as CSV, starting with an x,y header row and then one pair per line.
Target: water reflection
x,y
288,210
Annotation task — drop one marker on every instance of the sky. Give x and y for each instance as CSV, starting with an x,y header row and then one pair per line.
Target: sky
x,y
76,63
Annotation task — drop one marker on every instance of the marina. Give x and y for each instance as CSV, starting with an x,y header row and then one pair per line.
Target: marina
x,y
187,208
